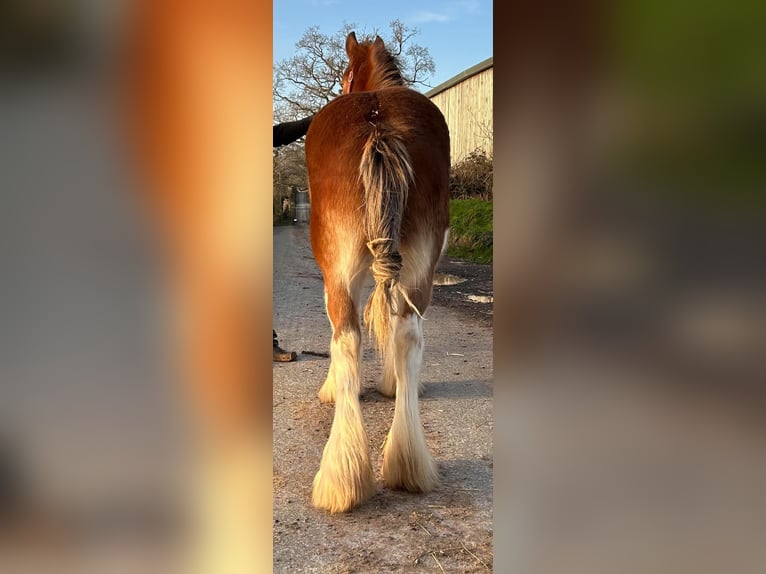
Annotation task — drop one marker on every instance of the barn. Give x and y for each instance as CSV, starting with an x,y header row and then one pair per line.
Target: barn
x,y
466,102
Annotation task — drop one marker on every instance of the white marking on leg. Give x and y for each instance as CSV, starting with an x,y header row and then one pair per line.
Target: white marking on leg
x,y
407,463
345,477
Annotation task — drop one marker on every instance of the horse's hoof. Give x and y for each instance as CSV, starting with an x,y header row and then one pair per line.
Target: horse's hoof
x,y
407,469
333,494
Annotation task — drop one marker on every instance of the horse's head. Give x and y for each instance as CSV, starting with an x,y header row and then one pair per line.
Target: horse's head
x,y
370,66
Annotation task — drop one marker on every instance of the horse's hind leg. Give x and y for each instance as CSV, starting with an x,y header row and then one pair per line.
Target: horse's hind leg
x,y
326,393
407,463
387,385
418,263
345,477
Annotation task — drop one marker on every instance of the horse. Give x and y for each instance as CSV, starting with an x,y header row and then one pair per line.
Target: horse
x,y
378,159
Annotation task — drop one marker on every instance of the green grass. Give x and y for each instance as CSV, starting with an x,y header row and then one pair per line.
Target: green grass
x,y
471,230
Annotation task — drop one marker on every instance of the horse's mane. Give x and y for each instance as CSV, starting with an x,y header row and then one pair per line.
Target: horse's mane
x,y
386,73
385,70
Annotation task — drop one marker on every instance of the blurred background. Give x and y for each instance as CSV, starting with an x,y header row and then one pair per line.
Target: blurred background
x,y
630,177
630,311
91,435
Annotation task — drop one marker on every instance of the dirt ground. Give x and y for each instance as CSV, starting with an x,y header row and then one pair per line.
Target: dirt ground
x,y
466,287
449,529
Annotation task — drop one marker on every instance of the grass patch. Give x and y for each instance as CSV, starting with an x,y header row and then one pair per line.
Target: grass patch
x,y
470,230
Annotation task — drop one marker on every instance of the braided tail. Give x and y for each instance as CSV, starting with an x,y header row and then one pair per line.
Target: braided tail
x,y
386,175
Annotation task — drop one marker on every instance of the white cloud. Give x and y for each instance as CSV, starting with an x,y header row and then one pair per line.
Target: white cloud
x,y
452,11
420,17
469,6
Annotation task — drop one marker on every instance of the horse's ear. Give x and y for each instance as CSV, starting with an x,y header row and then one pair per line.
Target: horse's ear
x,y
378,43
351,43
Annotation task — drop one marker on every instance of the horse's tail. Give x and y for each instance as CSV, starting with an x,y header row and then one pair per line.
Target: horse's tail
x,y
386,174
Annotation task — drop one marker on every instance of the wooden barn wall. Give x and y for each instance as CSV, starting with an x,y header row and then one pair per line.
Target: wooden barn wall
x,y
467,107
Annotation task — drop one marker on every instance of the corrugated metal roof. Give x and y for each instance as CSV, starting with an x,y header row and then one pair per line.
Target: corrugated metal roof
x,y
472,71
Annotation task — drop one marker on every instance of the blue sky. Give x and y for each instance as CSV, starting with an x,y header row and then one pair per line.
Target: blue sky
x,y
458,34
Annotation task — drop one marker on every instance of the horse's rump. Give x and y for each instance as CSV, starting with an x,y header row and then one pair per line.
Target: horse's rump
x,y
381,160
339,134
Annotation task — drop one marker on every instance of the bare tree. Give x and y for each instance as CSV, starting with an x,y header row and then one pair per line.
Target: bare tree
x,y
307,81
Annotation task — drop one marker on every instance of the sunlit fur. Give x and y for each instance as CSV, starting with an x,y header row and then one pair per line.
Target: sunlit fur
x,y
345,476
378,163
407,463
371,66
416,258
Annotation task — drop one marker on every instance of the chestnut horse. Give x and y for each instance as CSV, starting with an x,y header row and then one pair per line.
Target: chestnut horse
x,y
378,164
